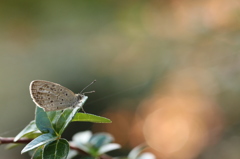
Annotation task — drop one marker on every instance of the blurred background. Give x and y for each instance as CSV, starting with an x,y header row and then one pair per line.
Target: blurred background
x,y
167,71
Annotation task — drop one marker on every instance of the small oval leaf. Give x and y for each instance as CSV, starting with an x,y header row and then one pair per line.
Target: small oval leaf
x,y
57,149
63,118
37,154
31,127
40,140
147,155
136,151
100,139
11,145
43,122
108,147
84,117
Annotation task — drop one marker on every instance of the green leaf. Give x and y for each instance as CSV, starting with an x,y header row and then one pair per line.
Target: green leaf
x,y
57,149
72,154
11,145
108,147
136,151
33,134
84,117
53,115
100,139
146,155
31,127
81,140
37,153
43,122
40,140
64,118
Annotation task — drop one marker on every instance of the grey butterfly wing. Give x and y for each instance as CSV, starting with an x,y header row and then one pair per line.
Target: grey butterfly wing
x,y
52,96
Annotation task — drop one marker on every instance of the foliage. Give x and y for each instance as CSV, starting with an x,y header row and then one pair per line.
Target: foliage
x,y
47,128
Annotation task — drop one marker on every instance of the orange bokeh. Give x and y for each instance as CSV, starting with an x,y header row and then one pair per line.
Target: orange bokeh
x,y
181,127
178,121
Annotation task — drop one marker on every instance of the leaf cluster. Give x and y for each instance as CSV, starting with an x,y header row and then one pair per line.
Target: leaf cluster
x,y
47,128
46,142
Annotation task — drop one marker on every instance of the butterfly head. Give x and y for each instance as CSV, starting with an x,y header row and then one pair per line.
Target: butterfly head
x,y
82,95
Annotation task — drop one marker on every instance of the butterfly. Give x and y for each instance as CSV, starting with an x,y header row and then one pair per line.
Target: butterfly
x,y
52,96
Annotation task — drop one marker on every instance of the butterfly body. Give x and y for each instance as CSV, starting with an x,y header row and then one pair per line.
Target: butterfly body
x,y
52,96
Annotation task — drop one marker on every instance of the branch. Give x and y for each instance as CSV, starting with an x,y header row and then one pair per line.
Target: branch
x,y
8,140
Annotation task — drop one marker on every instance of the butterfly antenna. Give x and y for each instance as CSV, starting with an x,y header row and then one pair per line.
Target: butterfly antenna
x,y
88,92
88,86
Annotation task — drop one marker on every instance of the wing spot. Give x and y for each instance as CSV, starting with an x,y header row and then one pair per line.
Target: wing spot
x,y
60,89
62,99
60,103
66,94
51,101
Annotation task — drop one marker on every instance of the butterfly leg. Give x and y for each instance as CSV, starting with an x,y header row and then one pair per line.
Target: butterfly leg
x,y
83,109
